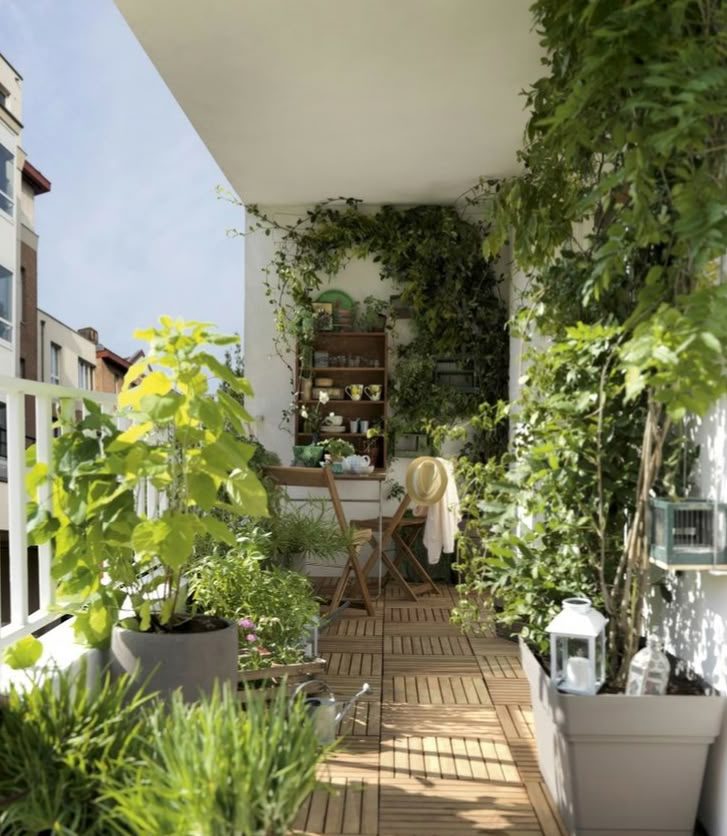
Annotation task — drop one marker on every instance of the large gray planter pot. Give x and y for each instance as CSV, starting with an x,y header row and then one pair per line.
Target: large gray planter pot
x,y
622,765
193,662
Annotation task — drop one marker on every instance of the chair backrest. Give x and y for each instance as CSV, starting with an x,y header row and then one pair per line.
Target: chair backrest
x,y
311,477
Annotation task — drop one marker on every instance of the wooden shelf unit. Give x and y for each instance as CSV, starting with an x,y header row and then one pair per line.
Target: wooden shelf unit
x,y
368,346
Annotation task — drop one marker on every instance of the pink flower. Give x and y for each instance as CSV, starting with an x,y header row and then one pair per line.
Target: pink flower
x,y
251,637
246,624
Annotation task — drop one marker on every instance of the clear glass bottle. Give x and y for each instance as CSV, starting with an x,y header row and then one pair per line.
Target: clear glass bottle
x,y
649,670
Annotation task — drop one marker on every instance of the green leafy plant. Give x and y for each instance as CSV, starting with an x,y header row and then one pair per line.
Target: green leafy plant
x,y
60,743
372,314
274,606
337,448
297,529
434,257
211,769
178,447
619,219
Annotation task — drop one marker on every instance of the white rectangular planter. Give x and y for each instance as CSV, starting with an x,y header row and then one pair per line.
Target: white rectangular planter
x,y
622,765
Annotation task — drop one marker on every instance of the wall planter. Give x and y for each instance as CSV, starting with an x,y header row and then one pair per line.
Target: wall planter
x,y
622,765
194,662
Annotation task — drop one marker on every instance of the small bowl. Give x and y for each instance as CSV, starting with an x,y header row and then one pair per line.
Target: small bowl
x,y
334,420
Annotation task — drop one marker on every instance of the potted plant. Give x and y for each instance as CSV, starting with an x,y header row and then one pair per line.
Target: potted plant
x,y
335,451
128,504
273,606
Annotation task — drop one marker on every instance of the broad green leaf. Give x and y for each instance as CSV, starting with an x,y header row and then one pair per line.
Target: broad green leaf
x,y
144,614
218,530
24,653
202,490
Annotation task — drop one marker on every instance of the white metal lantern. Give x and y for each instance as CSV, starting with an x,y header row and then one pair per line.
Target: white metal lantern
x,y
578,647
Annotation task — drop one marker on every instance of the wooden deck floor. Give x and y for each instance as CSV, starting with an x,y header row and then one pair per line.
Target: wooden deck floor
x,y
444,743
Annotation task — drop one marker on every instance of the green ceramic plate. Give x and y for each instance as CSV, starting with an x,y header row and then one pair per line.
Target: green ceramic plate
x,y
338,298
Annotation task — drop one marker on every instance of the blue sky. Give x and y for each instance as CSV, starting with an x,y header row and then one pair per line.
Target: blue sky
x,y
132,227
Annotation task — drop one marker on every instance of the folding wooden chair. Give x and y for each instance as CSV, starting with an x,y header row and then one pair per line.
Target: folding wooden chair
x,y
322,477
393,529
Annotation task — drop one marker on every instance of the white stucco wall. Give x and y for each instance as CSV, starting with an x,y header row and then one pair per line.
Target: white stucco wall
x,y
694,625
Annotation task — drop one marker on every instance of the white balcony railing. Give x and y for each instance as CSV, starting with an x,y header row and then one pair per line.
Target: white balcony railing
x,y
44,399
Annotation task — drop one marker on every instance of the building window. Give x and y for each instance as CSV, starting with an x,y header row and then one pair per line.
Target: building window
x,y
55,364
6,304
118,380
7,172
85,375
4,96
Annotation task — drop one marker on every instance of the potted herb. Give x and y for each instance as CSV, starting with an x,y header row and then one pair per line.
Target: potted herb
x,y
128,504
297,531
273,606
335,451
371,314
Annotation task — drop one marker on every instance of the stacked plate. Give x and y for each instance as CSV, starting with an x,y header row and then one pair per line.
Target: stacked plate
x,y
333,430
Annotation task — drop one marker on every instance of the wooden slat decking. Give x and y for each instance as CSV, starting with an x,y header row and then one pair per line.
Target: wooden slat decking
x,y
443,745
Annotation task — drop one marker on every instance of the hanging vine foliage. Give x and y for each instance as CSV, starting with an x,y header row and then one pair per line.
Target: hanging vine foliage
x,y
434,257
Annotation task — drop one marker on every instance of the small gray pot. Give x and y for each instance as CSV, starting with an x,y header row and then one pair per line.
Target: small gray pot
x,y
192,662
616,764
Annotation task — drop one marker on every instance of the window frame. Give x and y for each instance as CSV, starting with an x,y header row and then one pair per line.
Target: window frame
x,y
8,323
10,197
85,375
55,352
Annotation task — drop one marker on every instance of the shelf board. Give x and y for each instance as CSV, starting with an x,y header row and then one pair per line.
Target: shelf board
x,y
348,369
346,400
343,435
350,334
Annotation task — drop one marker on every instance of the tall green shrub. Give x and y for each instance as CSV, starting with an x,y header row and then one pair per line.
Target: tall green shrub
x,y
620,217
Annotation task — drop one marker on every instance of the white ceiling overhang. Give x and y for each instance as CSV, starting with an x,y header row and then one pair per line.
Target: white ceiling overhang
x,y
399,101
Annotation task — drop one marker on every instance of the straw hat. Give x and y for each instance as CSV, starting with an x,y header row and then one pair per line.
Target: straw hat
x,y
426,480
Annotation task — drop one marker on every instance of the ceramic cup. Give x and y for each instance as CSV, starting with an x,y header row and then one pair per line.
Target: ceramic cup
x,y
363,426
353,425
374,391
355,391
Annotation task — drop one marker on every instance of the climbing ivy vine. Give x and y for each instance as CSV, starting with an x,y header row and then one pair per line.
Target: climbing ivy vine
x,y
434,257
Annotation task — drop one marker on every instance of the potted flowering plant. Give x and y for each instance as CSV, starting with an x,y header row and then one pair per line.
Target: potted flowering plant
x,y
314,418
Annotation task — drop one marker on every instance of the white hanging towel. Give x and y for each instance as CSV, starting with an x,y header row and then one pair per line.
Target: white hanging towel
x,y
442,520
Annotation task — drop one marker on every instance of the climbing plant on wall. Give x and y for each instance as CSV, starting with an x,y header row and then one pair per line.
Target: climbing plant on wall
x,y
620,220
434,257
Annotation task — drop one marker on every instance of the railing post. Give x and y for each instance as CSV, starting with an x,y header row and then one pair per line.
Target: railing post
x,y
17,501
44,443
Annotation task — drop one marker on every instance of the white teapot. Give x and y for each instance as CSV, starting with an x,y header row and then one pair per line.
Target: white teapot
x,y
356,464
